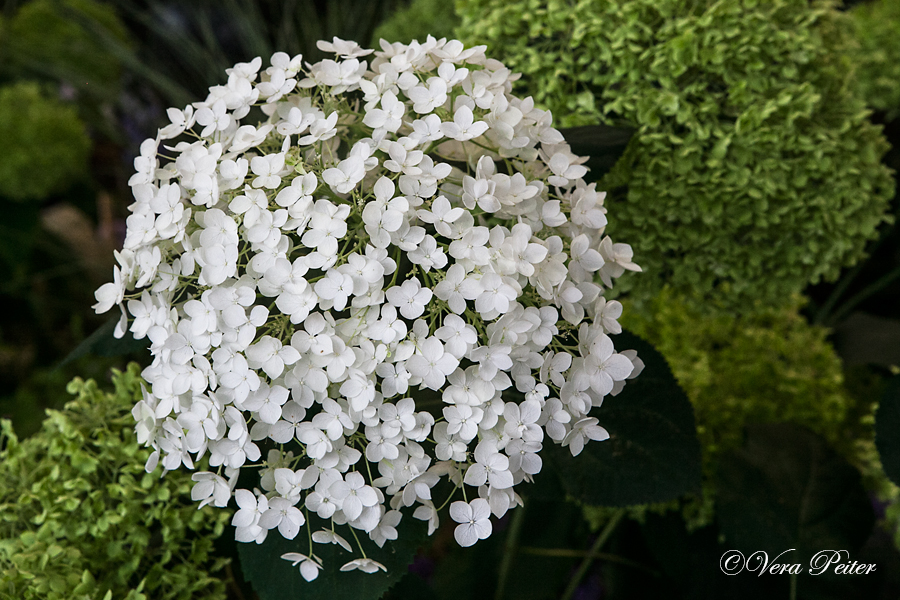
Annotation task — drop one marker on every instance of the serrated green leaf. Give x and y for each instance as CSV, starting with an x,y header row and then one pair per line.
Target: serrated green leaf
x,y
652,454
103,343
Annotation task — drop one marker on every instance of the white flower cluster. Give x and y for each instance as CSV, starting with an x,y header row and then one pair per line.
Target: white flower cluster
x,y
394,279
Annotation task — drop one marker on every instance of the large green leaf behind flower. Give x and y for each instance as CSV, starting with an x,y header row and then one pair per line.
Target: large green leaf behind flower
x,y
652,454
876,26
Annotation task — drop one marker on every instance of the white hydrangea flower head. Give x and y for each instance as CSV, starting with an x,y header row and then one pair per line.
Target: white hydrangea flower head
x,y
392,287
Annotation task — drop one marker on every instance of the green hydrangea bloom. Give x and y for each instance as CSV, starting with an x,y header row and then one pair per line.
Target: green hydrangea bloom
x,y
753,171
867,384
45,146
80,519
877,60
767,366
763,367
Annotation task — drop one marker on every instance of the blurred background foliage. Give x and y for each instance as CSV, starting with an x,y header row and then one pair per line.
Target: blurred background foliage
x,y
758,192
877,57
41,135
60,166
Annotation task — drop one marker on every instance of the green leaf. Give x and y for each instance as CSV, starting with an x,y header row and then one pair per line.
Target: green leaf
x,y
411,587
652,454
887,426
103,343
786,488
604,145
273,578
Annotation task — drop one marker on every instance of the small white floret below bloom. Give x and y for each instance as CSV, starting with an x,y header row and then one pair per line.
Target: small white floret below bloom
x,y
366,565
309,565
474,521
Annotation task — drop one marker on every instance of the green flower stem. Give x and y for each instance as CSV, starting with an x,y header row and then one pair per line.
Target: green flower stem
x,y
823,315
592,554
864,294
510,547
353,531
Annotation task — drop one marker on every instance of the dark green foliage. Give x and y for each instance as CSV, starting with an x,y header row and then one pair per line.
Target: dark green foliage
x,y
103,342
877,60
417,21
58,39
186,46
45,145
754,170
445,571
80,519
602,144
887,425
785,488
